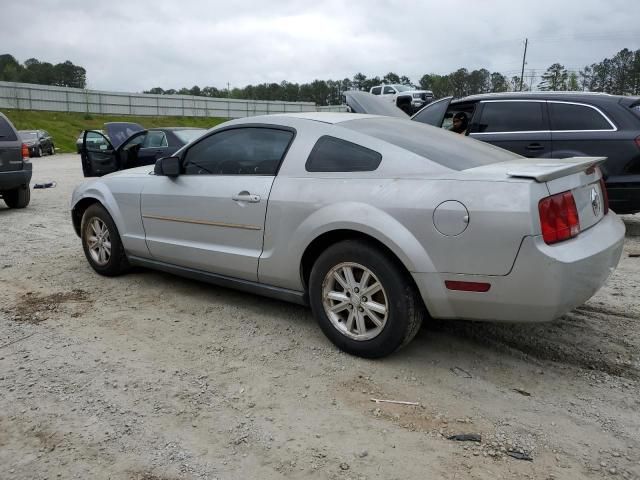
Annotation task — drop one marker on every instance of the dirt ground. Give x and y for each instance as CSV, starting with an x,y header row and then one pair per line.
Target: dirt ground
x,y
154,377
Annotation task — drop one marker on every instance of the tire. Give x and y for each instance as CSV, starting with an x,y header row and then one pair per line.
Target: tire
x,y
398,297
39,153
101,242
17,198
52,150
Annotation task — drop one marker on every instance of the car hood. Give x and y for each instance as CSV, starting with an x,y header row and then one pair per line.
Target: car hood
x,y
365,102
119,132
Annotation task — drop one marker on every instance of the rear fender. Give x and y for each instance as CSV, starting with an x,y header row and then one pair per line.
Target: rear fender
x,y
370,221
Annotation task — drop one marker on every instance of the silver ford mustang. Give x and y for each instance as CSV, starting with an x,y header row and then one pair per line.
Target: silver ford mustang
x,y
375,222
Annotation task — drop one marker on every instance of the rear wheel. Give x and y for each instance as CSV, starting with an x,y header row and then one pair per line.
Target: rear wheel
x,y
17,198
363,300
101,242
52,150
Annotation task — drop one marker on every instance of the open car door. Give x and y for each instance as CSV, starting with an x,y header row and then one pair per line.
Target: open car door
x,y
433,114
365,102
98,155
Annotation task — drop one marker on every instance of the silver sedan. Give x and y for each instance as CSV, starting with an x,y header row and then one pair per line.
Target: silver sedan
x,y
375,222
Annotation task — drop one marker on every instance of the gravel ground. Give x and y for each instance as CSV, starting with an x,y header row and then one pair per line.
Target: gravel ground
x,y
153,377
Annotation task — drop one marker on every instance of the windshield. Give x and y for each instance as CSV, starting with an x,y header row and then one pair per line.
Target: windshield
x,y
450,150
403,88
187,136
28,135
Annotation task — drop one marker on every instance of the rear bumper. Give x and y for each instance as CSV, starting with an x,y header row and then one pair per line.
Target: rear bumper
x,y
546,281
16,178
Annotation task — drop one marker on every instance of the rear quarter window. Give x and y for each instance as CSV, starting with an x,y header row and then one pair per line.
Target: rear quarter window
x,y
332,154
567,116
7,133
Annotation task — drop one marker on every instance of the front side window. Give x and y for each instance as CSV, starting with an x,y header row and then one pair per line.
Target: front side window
x,y
388,90
332,154
155,139
512,117
376,90
566,116
239,151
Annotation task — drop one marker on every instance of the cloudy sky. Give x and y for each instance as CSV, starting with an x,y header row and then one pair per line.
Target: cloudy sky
x,y
138,44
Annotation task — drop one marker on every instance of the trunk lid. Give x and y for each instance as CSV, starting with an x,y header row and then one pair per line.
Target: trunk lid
x,y
578,175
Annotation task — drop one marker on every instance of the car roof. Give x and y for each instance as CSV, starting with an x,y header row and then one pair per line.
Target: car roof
x,y
588,97
324,117
164,129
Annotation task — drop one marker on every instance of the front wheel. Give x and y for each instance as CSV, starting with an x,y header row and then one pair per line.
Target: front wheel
x,y
101,242
364,302
52,150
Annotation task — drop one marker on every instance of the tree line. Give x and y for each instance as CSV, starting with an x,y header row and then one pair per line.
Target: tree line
x,y
64,74
618,75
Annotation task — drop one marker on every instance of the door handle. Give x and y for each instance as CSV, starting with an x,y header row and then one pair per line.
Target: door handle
x,y
246,197
535,146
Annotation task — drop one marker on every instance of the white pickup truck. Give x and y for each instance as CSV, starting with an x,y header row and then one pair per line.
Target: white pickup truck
x,y
405,97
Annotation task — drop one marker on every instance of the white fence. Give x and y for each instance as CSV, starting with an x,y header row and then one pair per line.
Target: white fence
x,y
26,96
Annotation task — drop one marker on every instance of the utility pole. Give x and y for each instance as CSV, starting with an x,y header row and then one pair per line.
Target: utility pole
x,y
228,90
524,57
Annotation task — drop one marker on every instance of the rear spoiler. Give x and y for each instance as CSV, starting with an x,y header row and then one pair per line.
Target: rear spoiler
x,y
549,169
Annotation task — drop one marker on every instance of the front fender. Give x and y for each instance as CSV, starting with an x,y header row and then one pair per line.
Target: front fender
x,y
97,190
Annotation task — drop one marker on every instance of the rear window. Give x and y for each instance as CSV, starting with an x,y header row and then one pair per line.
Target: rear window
x,y
332,154
187,136
6,132
567,116
376,90
512,117
450,150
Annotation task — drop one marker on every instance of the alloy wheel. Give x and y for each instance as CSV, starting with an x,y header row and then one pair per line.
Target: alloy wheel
x,y
99,241
355,301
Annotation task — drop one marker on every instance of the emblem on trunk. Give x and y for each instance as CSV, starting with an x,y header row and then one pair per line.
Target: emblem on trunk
x,y
596,204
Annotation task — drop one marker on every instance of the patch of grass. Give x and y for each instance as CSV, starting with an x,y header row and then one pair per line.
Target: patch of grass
x,y
64,127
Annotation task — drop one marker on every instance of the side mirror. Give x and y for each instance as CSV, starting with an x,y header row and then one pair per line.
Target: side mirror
x,y
167,166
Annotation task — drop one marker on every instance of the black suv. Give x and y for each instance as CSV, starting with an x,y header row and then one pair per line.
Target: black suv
x,y
38,142
15,169
557,125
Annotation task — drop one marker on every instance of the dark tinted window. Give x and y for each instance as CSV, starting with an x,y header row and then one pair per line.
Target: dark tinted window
x,y
512,117
376,90
332,154
241,151
565,116
155,139
440,146
6,132
388,90
433,114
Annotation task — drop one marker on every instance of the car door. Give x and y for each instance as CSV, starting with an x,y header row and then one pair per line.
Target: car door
x,y
434,113
388,93
98,155
521,126
155,146
211,216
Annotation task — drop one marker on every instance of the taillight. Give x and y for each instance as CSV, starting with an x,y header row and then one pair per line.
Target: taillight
x,y
637,140
605,196
25,152
558,218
